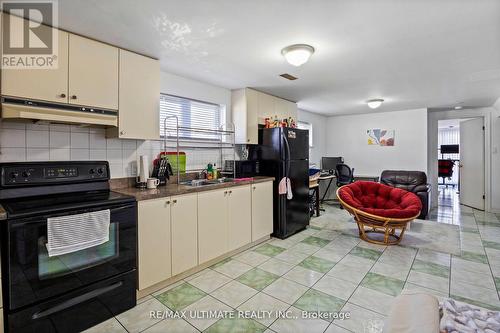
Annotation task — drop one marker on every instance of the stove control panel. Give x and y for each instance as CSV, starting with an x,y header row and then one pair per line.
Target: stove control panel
x,y
51,173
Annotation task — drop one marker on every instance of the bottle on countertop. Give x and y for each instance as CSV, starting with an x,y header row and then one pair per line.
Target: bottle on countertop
x,y
214,172
210,171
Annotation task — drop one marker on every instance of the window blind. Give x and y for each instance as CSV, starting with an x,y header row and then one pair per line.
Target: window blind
x,y
196,115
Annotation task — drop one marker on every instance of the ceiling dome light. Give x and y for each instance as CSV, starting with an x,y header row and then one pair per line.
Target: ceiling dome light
x,y
297,54
374,103
458,107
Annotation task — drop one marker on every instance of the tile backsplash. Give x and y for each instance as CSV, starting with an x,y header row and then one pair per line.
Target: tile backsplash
x,y
55,142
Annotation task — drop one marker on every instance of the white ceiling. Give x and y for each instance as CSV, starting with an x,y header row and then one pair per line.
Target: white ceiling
x,y
426,53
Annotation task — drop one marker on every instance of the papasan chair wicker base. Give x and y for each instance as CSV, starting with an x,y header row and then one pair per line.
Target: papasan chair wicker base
x,y
395,208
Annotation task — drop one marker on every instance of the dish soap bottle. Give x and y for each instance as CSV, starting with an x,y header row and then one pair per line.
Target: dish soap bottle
x,y
214,171
210,171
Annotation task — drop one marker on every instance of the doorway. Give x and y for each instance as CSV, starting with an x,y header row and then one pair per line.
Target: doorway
x,y
461,168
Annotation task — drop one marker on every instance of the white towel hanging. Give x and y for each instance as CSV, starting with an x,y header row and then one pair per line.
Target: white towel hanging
x,y
71,233
285,187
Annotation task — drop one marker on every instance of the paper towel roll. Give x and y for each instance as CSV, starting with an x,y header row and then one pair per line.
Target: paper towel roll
x,y
143,168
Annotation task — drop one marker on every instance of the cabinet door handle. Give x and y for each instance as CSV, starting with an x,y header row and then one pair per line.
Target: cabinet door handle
x,y
167,202
254,187
62,95
73,97
174,201
122,132
230,192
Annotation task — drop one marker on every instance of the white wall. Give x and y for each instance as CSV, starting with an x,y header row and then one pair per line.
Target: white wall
x,y
495,157
318,123
346,137
20,141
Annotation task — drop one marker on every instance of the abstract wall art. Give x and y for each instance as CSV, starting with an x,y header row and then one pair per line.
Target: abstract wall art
x,y
380,137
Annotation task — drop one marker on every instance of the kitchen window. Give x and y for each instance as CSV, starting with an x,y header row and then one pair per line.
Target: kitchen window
x,y
193,114
307,126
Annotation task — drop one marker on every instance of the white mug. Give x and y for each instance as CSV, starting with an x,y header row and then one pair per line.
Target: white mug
x,y
153,182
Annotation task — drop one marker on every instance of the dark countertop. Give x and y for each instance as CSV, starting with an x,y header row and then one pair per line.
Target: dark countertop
x,y
174,189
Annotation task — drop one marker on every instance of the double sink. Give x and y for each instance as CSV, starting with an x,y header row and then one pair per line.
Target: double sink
x,y
205,182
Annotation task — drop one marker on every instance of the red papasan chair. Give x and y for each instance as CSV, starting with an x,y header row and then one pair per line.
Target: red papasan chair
x,y
379,210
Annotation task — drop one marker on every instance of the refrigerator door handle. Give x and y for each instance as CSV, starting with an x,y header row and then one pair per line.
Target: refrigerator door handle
x,y
287,157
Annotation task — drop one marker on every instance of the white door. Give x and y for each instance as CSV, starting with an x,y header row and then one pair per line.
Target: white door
x,y
472,163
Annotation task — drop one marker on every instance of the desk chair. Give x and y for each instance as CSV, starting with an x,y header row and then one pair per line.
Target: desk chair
x,y
344,174
445,170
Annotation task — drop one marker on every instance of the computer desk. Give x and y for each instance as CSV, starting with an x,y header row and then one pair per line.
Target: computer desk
x,y
331,177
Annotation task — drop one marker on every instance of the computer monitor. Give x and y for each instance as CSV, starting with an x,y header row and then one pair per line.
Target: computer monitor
x,y
450,149
329,163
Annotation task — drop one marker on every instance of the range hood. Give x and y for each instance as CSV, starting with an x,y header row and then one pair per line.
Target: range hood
x,y
15,108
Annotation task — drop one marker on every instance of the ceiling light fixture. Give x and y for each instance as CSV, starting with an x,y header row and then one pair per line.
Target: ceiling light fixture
x,y
458,107
297,54
374,103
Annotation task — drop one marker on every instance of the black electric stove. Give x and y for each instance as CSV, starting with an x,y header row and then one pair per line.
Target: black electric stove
x,y
73,291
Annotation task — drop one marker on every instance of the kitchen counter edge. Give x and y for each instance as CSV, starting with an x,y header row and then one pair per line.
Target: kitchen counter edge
x,y
174,189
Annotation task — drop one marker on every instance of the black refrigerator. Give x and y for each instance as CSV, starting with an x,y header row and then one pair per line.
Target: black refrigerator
x,y
284,152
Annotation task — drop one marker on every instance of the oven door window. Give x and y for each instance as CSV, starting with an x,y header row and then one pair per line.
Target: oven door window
x,y
50,267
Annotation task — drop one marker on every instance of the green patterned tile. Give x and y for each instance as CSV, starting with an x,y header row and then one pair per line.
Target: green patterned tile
x,y
317,301
220,263
317,264
491,245
269,250
236,325
474,302
476,257
365,253
383,284
471,230
179,297
497,282
488,224
257,278
316,241
431,268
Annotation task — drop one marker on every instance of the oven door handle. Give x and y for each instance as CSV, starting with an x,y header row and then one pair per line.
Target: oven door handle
x,y
77,300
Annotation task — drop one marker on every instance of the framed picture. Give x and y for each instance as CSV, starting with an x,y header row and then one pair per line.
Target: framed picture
x,y
380,137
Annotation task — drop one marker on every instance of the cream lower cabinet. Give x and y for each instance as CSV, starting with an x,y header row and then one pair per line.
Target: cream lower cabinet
x,y
184,221
154,234
239,217
262,210
212,224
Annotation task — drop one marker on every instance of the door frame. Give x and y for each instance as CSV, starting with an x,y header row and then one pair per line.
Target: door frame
x,y
432,153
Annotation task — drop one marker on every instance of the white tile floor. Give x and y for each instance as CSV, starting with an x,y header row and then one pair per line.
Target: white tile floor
x,y
325,269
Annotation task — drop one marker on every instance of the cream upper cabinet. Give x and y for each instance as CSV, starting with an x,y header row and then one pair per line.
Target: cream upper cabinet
x,y
40,84
262,210
212,224
154,245
267,107
184,215
93,73
139,96
251,107
239,222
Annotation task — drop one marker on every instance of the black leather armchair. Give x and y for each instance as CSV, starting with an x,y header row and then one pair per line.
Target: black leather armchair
x,y
413,181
